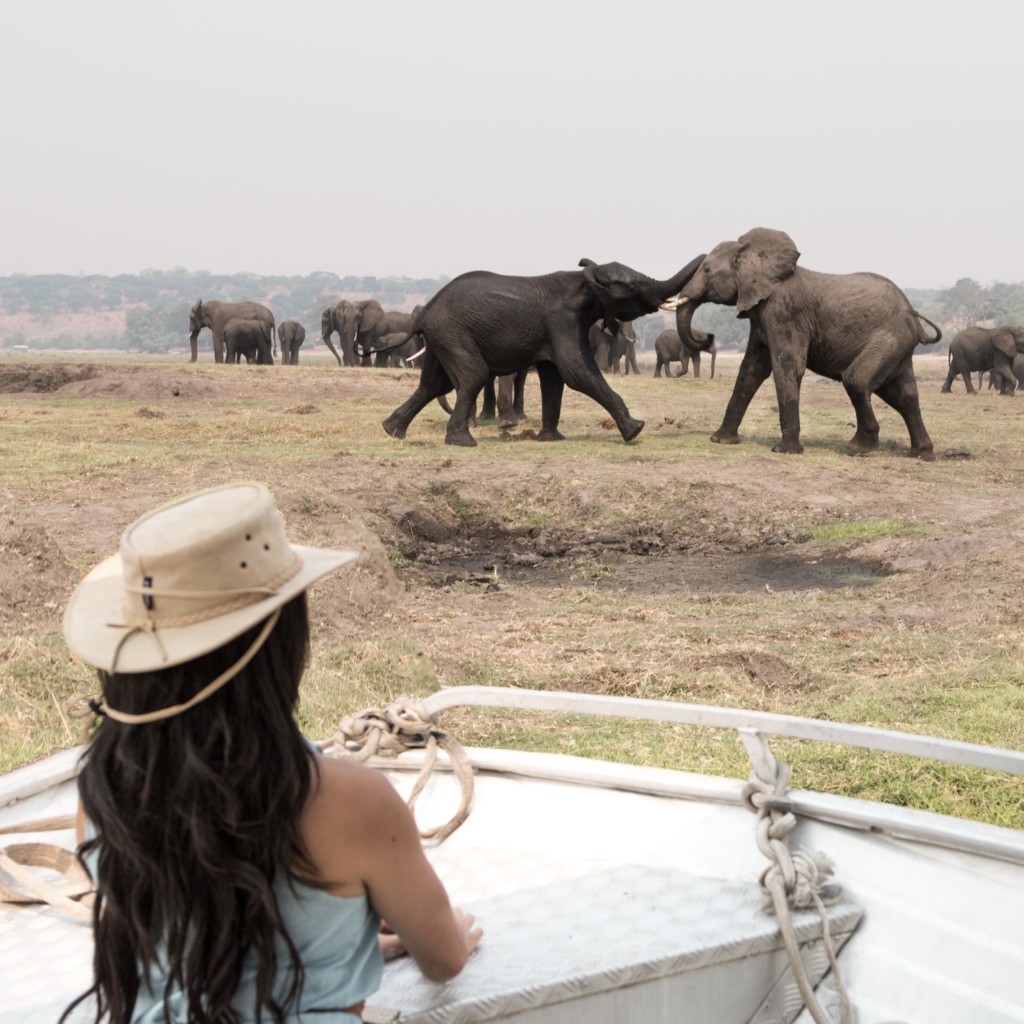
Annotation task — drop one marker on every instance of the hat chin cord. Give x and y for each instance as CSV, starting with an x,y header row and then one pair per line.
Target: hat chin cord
x,y
211,688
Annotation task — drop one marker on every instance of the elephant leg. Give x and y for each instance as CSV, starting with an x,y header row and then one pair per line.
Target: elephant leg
x,y
434,383
218,345
696,364
1004,373
657,367
788,369
947,387
506,403
473,375
551,388
488,410
901,394
583,375
865,376
519,395
754,370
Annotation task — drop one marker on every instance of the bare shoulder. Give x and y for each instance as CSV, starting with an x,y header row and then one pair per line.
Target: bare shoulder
x,y
351,812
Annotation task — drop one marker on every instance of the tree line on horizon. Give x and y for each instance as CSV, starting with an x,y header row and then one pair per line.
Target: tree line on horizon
x,y
157,303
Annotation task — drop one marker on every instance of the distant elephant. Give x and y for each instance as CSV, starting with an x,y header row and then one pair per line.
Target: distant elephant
x,y
482,323
856,328
249,338
609,348
216,314
996,380
985,348
669,349
375,322
291,334
397,349
343,318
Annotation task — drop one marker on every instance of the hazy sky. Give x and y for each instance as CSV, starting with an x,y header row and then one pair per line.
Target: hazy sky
x,y
440,136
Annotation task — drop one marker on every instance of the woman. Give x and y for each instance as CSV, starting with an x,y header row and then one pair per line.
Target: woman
x,y
240,876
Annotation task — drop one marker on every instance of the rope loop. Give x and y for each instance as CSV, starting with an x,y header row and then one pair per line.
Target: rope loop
x,y
405,725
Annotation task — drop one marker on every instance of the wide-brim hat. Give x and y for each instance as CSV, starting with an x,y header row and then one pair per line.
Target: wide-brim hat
x,y
190,576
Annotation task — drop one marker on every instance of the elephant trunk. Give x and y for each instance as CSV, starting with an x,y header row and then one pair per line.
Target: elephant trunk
x,y
663,290
694,340
193,339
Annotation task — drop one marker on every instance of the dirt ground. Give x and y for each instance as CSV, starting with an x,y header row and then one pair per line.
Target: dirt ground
x,y
752,511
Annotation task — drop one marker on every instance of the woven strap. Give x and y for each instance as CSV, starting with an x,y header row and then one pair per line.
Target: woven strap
x,y
19,885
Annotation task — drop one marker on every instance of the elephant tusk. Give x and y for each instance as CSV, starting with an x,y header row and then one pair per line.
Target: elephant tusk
x,y
671,305
418,354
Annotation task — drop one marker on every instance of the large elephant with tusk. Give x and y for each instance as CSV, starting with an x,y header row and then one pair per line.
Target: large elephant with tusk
x,y
216,315
856,328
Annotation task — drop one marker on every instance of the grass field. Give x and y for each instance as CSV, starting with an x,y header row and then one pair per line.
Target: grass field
x,y
878,590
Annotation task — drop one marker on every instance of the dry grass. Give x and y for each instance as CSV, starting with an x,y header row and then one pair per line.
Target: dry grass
x,y
934,646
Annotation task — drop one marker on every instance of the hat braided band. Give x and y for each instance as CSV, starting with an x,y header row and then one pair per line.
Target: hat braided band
x,y
211,688
241,598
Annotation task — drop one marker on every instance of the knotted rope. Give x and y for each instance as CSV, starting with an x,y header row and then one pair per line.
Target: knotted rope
x,y
794,879
405,725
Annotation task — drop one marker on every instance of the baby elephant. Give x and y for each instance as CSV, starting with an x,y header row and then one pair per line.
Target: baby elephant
x,y
291,334
249,338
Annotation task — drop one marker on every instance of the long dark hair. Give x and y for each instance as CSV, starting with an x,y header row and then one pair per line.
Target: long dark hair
x,y
195,818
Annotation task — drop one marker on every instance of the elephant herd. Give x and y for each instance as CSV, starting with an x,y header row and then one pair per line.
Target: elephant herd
x,y
859,329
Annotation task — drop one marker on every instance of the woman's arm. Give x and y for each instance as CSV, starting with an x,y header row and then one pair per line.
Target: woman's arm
x,y
375,838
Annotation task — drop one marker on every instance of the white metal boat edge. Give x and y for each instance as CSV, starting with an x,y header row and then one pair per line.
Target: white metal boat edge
x,y
618,893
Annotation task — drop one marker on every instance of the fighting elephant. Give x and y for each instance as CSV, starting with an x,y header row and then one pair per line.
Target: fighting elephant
x,y
215,315
482,323
610,348
343,318
249,338
669,348
856,328
985,348
291,334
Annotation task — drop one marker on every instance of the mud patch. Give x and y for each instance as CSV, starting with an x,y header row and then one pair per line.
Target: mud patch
x,y
665,574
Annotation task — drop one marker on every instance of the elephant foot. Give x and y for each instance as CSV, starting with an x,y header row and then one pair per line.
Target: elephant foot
x,y
394,428
787,446
550,435
944,390
508,423
862,446
724,437
926,453
485,417
462,438
629,428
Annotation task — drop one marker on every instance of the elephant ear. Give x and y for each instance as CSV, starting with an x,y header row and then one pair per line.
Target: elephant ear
x,y
1003,341
764,259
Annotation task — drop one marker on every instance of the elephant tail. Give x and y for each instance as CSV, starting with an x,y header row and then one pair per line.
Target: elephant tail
x,y
924,339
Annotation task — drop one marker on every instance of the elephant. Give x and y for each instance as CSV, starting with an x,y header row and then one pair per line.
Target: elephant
x,y
985,348
216,314
669,349
249,338
610,348
291,334
856,328
996,380
375,323
343,318
482,323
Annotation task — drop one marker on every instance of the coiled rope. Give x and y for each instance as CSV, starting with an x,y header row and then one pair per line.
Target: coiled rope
x,y
794,879
405,725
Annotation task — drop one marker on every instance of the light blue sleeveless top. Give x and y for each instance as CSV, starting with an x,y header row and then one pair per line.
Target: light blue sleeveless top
x,y
336,937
